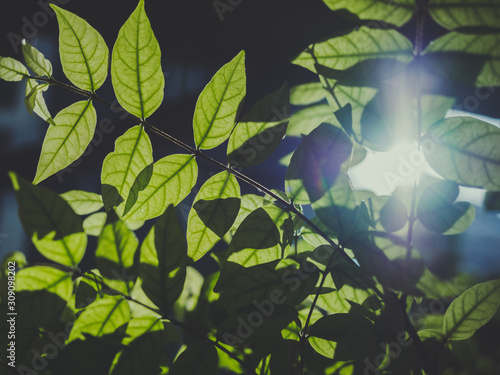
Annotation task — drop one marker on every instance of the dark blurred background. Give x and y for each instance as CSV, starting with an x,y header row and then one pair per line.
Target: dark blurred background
x,y
196,40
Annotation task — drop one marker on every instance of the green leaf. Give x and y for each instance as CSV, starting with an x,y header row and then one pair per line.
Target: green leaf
x,y
136,71
120,169
437,212
343,336
464,150
345,51
55,229
105,316
276,282
35,60
306,120
115,252
213,213
163,260
258,239
386,213
198,358
307,93
12,70
466,58
94,224
471,310
67,140
35,102
453,14
260,130
172,180
218,104
248,204
396,12
84,53
83,202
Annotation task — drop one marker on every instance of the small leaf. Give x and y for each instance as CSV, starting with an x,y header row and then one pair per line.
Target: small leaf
x,y
84,53
12,70
213,213
396,12
218,104
437,212
306,120
307,93
94,224
35,60
120,169
83,202
453,14
35,102
464,150
50,222
136,70
173,178
343,336
345,51
260,130
115,252
198,358
163,260
471,310
67,140
105,316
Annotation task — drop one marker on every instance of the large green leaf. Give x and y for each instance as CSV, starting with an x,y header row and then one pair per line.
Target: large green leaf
x,y
437,212
35,102
12,70
36,61
343,52
198,358
471,310
258,238
83,202
67,140
163,260
84,53
260,130
343,336
50,222
218,104
467,58
120,169
465,150
172,180
396,12
115,252
213,213
136,66
105,316
453,14
308,119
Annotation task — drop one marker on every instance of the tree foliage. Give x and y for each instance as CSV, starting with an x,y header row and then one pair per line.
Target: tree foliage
x,y
329,293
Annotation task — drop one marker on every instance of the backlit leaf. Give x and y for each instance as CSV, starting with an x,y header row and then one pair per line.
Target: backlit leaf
x,y
36,61
306,120
214,210
67,140
307,93
464,150
83,202
394,12
163,260
12,70
84,53
94,224
136,66
133,152
471,310
35,102
453,14
172,180
55,229
218,103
